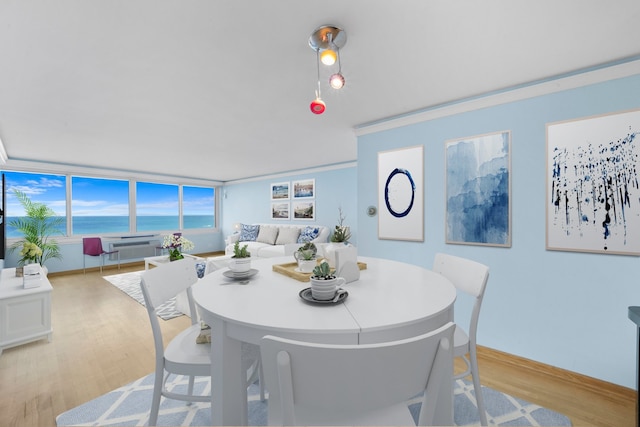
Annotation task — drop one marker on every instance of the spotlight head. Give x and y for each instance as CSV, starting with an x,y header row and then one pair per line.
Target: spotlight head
x,y
336,81
317,106
328,57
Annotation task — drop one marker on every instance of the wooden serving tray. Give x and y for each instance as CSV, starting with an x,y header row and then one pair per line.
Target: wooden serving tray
x,y
289,269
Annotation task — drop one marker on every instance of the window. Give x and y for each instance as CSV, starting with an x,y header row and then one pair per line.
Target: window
x,y
41,188
198,207
156,207
99,206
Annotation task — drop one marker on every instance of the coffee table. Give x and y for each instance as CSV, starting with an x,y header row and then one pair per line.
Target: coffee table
x,y
157,261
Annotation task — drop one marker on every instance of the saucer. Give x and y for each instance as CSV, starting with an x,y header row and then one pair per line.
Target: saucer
x,y
242,275
297,270
305,294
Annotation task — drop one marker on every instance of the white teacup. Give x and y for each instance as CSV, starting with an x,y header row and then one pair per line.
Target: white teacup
x,y
324,290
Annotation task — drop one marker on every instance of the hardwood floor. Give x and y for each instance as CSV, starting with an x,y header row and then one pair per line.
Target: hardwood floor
x,y
102,340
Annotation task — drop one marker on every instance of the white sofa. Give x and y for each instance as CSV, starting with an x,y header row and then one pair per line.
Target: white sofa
x,y
271,239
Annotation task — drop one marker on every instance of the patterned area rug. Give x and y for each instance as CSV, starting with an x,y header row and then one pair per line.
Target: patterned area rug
x,y
129,405
129,283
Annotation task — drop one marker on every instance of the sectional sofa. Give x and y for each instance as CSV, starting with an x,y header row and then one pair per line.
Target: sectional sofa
x,y
269,240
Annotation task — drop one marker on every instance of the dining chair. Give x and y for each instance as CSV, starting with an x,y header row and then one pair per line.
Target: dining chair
x,y
471,278
369,384
92,246
183,355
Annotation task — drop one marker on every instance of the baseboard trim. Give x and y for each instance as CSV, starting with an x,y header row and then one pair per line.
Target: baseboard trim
x,y
593,385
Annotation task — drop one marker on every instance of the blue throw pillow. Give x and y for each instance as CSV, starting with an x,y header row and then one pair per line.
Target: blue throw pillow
x,y
249,233
308,234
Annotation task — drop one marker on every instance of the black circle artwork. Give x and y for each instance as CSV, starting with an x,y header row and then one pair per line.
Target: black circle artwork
x,y
399,207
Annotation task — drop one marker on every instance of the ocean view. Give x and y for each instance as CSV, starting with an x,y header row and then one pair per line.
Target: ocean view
x,y
120,224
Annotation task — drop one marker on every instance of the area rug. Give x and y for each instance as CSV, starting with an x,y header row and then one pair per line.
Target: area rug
x,y
129,283
129,406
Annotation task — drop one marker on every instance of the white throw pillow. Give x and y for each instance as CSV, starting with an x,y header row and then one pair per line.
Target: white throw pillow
x,y
267,235
288,235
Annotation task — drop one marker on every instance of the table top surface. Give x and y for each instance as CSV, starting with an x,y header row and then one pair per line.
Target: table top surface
x,y
12,286
388,294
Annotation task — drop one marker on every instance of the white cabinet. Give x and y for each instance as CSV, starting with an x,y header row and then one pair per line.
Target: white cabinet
x,y
25,314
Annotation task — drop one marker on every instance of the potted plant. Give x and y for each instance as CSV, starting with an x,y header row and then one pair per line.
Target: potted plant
x,y
341,233
339,239
241,258
37,226
306,257
176,243
324,284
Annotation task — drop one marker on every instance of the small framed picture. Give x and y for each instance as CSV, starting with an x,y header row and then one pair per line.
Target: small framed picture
x,y
280,210
304,210
280,191
304,189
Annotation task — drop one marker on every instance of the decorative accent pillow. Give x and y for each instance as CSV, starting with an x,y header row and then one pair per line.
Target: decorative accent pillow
x,y
267,235
287,235
308,234
249,233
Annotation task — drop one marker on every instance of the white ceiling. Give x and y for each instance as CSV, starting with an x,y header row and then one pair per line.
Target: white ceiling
x,y
220,89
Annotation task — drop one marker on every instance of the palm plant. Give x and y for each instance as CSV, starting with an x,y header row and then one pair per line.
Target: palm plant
x,y
37,226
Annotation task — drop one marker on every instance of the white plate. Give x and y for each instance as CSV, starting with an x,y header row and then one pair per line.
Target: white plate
x,y
242,275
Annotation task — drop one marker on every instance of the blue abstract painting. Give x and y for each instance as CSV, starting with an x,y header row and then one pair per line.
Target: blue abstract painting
x,y
593,194
478,190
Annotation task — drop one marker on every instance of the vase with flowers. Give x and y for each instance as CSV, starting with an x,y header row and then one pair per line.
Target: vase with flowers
x,y
175,244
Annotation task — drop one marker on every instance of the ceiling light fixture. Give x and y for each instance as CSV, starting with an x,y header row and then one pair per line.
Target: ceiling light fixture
x,y
327,42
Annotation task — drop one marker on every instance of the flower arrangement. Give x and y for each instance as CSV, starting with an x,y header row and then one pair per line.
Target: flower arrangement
x,y
31,253
176,243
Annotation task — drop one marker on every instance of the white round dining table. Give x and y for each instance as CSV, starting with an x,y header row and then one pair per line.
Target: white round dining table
x,y
390,301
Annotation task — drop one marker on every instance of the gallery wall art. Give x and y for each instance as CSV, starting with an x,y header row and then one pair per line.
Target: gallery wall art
x,y
478,190
401,194
593,199
280,210
280,191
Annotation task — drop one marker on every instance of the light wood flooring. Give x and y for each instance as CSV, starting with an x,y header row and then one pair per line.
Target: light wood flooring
x,y
102,340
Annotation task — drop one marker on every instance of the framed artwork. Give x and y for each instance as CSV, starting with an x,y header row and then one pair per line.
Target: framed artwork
x,y
280,191
304,189
280,210
304,210
401,194
478,190
592,194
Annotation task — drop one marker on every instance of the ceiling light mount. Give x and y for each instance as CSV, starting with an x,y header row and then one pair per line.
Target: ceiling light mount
x,y
327,35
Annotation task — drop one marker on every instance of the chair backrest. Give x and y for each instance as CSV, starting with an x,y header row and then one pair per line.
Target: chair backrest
x,y
166,281
92,246
468,276
336,384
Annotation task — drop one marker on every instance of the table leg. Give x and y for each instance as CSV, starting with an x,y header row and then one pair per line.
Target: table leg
x,y
228,388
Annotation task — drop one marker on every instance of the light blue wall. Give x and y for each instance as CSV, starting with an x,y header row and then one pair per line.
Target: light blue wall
x,y
250,202
565,309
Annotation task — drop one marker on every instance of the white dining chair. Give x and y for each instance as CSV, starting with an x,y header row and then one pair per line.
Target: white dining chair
x,y
471,278
182,356
369,384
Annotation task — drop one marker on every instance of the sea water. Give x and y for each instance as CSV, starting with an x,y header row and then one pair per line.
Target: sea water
x,y
82,225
